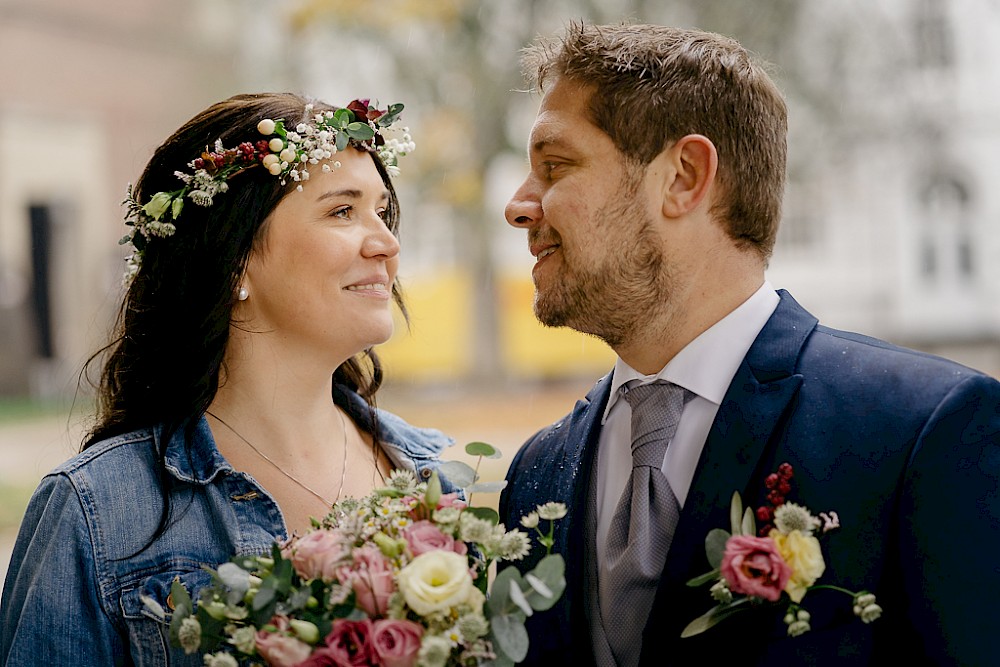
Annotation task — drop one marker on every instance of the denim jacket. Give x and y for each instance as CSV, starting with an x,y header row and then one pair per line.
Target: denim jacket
x,y
73,591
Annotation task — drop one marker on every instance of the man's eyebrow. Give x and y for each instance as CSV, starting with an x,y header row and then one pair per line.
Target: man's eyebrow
x,y
549,141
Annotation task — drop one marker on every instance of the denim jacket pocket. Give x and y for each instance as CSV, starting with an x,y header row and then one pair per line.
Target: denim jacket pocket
x,y
148,633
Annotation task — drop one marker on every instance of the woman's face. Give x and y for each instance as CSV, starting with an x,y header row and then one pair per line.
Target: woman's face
x,y
321,282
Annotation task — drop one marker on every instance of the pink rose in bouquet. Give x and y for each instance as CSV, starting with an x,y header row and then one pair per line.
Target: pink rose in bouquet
x,y
449,500
347,645
420,510
424,536
319,554
753,566
279,648
372,578
397,642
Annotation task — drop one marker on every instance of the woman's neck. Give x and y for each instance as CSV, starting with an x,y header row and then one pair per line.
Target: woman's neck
x,y
286,403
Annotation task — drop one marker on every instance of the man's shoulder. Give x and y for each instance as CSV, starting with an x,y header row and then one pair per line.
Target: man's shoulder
x,y
549,464
551,442
794,334
845,354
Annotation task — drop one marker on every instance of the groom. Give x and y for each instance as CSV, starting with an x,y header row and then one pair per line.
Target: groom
x,y
657,167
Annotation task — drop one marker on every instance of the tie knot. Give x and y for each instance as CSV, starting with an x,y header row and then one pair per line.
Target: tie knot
x,y
656,410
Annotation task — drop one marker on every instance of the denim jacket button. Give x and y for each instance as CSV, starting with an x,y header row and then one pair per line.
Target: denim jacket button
x,y
426,473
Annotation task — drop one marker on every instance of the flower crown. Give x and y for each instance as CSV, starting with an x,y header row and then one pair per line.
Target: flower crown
x,y
285,153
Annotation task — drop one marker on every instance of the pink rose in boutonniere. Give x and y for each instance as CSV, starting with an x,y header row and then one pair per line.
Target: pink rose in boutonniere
x,y
775,565
753,566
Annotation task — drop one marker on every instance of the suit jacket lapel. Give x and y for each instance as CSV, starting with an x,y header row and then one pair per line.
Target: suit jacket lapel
x,y
758,396
583,432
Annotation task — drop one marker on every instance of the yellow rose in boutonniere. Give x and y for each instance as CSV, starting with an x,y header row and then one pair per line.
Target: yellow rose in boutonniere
x,y
803,553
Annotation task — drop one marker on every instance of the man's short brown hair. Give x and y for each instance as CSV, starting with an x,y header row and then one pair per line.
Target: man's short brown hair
x,y
655,84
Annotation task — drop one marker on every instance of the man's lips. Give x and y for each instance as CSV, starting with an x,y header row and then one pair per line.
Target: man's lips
x,y
542,250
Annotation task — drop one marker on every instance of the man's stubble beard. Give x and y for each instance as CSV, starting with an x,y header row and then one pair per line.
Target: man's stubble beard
x,y
617,298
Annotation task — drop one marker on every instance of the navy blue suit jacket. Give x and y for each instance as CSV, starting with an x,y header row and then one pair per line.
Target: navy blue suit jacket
x,y
903,445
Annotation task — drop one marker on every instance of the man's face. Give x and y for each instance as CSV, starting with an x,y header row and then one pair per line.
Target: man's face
x,y
600,265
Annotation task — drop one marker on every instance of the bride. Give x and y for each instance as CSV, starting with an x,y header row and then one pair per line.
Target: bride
x,y
237,397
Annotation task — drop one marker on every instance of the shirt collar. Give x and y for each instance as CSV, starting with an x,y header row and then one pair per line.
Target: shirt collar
x,y
707,364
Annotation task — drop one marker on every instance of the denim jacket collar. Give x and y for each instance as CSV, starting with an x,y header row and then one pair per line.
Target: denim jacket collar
x,y
196,460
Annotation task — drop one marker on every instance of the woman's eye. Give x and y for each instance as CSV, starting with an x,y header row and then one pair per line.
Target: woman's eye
x,y
343,212
383,214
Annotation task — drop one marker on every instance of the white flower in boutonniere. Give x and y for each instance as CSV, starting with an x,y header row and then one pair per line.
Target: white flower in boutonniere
x,y
777,564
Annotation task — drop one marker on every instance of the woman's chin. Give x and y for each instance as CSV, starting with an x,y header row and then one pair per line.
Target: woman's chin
x,y
380,337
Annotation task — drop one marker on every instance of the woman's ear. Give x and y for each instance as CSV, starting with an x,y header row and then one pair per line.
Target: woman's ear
x,y
693,164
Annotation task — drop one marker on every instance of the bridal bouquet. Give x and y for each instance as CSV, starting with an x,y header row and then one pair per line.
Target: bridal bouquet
x,y
396,579
776,564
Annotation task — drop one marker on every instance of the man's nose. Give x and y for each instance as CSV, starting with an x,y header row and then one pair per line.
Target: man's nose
x,y
525,206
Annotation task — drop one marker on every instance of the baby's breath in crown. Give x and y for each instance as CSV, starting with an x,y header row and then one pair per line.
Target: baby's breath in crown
x,y
286,154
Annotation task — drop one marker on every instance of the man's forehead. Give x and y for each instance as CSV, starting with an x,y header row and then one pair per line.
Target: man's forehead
x,y
557,127
549,133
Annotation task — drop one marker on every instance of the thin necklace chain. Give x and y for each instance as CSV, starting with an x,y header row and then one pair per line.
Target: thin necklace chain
x,y
343,472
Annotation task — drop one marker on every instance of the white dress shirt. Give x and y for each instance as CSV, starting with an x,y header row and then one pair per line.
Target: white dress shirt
x,y
705,367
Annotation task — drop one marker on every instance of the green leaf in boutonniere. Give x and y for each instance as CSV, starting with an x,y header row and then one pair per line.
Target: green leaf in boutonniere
x,y
715,546
704,579
736,514
714,615
741,521
749,523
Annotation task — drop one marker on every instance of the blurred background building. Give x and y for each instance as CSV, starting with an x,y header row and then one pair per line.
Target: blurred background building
x,y
891,225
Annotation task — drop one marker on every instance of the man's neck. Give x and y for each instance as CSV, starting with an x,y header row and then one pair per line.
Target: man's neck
x,y
697,310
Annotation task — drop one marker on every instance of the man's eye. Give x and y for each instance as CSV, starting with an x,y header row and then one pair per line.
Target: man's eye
x,y
551,168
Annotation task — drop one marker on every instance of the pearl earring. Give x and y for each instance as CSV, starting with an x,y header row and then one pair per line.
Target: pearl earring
x,y
242,294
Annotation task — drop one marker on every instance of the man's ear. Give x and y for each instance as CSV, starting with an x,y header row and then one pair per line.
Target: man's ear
x,y
693,164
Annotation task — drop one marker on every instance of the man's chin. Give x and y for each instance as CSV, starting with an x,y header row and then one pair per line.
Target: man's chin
x,y
555,318
548,315
555,315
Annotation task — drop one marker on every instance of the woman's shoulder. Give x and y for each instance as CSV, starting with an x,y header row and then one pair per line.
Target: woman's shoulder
x,y
113,455
394,432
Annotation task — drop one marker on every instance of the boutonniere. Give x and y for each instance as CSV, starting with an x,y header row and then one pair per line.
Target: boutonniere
x,y
777,564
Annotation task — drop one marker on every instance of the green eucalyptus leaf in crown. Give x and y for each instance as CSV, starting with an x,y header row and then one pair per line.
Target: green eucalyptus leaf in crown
x,y
284,153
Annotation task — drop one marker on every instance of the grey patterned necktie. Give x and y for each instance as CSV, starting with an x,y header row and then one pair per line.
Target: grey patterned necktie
x,y
643,523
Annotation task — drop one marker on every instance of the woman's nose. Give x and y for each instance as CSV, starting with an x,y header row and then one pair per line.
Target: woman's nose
x,y
382,242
